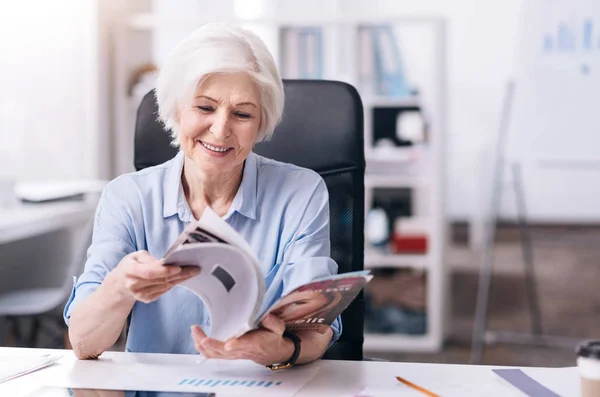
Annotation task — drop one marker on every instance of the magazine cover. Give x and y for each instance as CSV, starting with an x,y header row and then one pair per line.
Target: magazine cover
x,y
314,306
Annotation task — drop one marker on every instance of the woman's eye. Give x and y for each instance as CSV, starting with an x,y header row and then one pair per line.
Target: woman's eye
x,y
243,115
205,108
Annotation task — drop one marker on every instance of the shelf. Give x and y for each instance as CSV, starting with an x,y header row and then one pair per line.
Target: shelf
x,y
400,343
407,154
145,21
378,258
383,102
391,180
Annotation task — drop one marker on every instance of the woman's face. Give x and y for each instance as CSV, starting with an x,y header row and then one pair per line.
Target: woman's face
x,y
218,131
302,304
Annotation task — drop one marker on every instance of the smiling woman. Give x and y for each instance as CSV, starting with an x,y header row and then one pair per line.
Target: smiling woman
x,y
218,93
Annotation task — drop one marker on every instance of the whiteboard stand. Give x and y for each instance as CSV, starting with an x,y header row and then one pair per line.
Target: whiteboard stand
x,y
481,335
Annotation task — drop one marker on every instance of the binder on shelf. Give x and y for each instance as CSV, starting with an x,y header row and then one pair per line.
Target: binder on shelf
x,y
389,68
380,64
366,60
303,53
390,74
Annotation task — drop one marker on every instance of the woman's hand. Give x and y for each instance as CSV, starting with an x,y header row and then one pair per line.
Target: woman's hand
x,y
264,346
145,277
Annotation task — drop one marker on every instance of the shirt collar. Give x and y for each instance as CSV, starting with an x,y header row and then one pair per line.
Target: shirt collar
x,y
244,201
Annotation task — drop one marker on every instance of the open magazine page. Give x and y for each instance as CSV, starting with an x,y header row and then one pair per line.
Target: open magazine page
x,y
230,275
210,228
314,306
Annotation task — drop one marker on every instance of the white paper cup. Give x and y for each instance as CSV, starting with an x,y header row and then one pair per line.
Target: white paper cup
x,y
588,362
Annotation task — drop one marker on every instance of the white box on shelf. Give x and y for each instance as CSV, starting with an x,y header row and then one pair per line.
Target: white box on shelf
x,y
384,101
379,258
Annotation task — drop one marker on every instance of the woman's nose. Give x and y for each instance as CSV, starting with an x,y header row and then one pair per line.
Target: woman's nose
x,y
220,126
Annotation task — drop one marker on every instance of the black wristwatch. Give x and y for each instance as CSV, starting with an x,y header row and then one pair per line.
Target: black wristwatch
x,y
294,338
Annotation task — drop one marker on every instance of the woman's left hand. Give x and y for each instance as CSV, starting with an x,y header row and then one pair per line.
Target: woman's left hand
x,y
264,346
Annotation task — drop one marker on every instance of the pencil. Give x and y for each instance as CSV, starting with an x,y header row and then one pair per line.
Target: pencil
x,y
416,387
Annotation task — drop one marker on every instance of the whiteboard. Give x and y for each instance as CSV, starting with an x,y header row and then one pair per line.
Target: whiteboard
x,y
556,108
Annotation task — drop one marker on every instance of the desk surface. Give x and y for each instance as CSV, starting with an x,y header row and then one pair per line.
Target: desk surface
x,y
334,378
21,220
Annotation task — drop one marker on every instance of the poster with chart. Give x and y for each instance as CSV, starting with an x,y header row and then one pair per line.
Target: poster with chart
x,y
555,112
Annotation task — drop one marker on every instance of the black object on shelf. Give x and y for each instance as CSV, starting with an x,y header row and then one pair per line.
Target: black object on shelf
x,y
396,202
384,124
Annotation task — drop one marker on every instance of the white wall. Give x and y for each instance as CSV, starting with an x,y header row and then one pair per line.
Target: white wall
x,y
49,126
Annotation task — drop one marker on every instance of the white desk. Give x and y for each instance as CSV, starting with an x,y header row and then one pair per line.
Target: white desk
x,y
22,221
334,378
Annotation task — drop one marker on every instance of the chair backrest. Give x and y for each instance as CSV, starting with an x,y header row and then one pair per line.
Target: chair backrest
x,y
322,129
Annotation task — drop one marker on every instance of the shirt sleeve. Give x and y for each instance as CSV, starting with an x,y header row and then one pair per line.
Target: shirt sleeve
x,y
112,239
308,254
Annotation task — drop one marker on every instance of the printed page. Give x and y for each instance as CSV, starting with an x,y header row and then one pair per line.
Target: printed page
x,y
211,228
180,374
314,306
12,367
230,277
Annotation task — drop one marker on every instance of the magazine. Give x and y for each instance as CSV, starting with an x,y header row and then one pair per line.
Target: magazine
x,y
232,285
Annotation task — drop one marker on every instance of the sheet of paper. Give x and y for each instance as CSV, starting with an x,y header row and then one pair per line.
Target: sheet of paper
x,y
196,375
14,366
480,381
525,383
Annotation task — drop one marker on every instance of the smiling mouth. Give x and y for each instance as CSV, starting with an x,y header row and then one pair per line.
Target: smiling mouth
x,y
216,149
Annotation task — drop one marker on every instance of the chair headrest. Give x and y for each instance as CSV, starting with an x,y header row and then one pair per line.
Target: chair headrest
x,y
322,129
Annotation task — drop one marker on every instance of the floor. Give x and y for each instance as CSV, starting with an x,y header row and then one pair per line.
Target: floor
x,y
567,266
567,263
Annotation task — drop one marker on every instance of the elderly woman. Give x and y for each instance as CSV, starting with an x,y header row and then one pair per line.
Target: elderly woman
x,y
219,93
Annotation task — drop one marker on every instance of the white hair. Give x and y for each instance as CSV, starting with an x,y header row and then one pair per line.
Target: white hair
x,y
218,48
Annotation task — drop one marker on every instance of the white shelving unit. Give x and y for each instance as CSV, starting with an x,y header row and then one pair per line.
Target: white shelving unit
x,y
417,167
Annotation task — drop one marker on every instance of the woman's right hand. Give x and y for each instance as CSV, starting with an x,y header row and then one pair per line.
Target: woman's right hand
x,y
146,278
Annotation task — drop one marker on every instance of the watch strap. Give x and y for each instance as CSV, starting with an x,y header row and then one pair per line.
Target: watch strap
x,y
292,361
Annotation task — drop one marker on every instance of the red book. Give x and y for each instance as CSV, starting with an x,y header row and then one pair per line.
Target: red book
x,y
409,244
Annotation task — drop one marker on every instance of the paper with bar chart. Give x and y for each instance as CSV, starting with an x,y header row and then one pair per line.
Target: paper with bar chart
x,y
245,378
184,373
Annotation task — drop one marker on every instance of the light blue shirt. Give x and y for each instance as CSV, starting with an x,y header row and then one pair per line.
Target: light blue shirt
x,y
280,209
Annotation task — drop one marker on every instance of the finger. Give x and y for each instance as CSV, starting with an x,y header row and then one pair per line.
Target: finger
x,y
214,346
200,338
143,256
205,353
137,284
198,333
232,345
153,271
274,324
207,350
247,346
154,289
186,273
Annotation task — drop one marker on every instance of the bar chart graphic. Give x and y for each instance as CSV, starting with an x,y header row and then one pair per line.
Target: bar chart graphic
x,y
229,383
239,377
571,37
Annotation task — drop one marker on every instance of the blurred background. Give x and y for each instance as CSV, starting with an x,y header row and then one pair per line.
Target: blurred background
x,y
481,139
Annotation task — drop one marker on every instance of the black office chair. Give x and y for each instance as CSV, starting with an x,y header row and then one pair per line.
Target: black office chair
x,y
322,129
